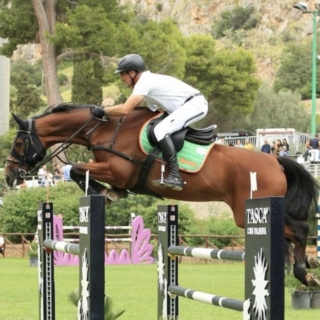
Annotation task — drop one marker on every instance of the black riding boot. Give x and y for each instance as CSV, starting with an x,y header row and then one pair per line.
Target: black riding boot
x,y
174,180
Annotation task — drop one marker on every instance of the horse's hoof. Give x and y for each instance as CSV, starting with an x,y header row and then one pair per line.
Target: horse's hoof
x,y
312,263
312,280
110,196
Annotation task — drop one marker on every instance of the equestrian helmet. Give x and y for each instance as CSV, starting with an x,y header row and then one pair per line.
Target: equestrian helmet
x,y
131,62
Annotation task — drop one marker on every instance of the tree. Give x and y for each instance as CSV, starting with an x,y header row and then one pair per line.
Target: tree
x,y
87,82
295,69
28,96
279,110
25,22
240,18
200,51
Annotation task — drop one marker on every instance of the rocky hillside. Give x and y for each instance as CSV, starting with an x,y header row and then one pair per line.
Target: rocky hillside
x,y
197,16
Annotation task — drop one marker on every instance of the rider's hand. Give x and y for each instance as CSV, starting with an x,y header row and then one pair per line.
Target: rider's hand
x,y
98,112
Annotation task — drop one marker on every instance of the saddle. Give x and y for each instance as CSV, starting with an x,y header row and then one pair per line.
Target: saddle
x,y
199,136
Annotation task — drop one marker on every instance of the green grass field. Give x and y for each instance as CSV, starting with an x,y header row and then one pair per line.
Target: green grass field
x,y
132,288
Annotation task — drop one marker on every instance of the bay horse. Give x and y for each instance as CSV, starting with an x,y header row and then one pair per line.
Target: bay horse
x,y
225,175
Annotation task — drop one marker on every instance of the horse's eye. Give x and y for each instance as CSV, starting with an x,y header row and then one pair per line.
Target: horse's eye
x,y
18,144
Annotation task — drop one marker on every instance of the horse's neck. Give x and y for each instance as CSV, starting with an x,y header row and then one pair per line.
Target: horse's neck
x,y
58,127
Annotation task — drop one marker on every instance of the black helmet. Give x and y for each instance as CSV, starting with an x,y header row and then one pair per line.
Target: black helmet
x,y
131,62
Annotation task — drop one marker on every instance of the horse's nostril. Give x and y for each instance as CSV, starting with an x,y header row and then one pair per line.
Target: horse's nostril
x,y
7,179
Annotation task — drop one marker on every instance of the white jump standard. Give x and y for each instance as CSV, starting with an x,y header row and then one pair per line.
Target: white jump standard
x,y
91,256
264,263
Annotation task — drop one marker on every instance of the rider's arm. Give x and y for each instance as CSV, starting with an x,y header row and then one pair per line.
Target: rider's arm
x,y
125,108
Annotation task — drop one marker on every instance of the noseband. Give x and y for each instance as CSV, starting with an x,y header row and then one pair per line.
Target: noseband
x,y
33,151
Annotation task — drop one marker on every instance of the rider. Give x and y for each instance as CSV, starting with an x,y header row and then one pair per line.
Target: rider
x,y
184,104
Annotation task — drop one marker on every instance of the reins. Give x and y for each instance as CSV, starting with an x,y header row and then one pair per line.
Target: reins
x,y
22,173
118,153
63,146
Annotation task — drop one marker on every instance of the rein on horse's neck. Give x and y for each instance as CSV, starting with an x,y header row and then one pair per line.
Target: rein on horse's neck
x,y
65,144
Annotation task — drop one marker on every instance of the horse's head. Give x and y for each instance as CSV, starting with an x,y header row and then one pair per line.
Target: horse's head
x,y
26,152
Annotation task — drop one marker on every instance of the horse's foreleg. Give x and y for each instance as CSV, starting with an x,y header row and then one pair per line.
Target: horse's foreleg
x,y
94,187
78,175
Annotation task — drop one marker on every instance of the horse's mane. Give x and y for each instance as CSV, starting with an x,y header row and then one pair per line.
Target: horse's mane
x,y
62,107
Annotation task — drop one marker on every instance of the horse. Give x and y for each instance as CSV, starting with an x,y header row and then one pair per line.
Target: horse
x,y
119,160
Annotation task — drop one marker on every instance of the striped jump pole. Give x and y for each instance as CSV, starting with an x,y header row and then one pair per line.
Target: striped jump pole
x,y
264,263
91,257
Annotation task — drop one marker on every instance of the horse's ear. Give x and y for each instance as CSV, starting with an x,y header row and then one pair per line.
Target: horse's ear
x,y
23,124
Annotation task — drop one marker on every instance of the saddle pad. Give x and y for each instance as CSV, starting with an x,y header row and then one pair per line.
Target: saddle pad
x,y
190,159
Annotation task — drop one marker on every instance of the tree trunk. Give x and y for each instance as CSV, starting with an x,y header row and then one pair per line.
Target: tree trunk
x,y
46,16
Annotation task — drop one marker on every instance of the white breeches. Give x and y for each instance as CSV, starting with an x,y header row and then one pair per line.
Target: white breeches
x,y
190,112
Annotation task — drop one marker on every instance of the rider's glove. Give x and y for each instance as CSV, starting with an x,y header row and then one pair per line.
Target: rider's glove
x,y
98,112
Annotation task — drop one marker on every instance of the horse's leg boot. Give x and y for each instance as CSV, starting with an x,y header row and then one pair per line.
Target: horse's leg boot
x,y
174,180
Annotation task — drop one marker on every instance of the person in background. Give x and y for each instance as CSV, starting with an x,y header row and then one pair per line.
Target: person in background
x,y
58,173
314,149
248,145
266,148
239,144
285,143
284,151
274,148
307,150
42,173
66,172
278,146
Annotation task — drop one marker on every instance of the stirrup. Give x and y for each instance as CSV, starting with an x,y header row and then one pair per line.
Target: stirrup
x,y
176,185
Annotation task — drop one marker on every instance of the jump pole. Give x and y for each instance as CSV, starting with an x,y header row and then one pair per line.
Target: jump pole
x,y
264,263
91,256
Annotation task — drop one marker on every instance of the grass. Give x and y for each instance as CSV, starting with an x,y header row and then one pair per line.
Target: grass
x,y
132,288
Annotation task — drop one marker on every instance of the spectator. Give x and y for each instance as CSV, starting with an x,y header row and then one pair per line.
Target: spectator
x,y
42,175
285,143
248,145
66,172
307,150
274,148
278,146
239,144
314,146
58,173
266,147
283,152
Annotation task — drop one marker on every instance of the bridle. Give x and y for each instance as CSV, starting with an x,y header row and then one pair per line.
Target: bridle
x,y
33,156
32,153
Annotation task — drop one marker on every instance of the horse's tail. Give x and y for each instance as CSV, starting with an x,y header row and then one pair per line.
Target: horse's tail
x,y
302,190
301,198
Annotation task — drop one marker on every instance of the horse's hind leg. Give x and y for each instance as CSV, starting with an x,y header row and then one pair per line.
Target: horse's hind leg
x,y
312,263
301,261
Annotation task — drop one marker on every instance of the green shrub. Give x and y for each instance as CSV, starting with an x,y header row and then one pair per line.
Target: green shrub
x,y
63,79
223,225
216,225
239,18
145,206
19,212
